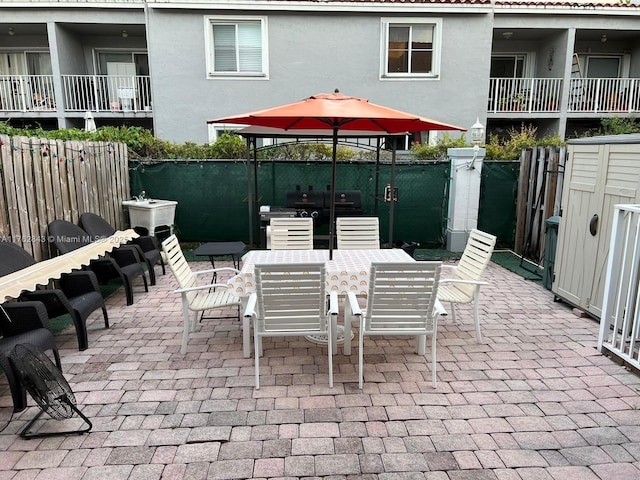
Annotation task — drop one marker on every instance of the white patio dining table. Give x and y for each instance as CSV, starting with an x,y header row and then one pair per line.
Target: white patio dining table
x,y
348,271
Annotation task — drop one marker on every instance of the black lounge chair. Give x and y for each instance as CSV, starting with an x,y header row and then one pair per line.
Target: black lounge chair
x,y
121,262
20,323
147,246
79,293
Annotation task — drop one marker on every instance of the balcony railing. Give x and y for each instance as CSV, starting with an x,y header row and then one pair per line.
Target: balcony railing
x,y
22,93
604,95
104,93
542,95
507,95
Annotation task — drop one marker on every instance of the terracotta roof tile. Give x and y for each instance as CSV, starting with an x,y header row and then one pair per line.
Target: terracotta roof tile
x,y
570,4
426,2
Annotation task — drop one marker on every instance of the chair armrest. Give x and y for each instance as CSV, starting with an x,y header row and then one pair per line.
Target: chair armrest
x,y
216,270
459,280
22,317
250,309
353,303
55,300
126,255
333,303
147,243
201,287
76,283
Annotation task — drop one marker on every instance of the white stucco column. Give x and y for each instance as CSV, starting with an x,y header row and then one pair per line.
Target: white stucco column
x,y
464,195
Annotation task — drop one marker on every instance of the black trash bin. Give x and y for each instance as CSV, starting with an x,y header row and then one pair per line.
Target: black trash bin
x,y
551,241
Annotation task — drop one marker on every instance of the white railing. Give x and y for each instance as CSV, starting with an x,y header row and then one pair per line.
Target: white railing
x,y
604,95
620,320
508,95
104,93
21,93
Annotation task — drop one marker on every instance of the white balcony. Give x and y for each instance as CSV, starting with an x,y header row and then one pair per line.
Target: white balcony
x,y
604,95
23,93
107,93
532,95
544,95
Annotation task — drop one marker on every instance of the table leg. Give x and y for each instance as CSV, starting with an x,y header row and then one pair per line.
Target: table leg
x,y
246,331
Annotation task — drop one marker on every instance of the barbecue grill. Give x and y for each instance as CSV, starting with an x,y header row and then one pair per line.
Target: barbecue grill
x,y
317,204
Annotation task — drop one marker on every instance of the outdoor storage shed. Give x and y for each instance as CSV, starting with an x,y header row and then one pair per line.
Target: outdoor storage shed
x,y
600,173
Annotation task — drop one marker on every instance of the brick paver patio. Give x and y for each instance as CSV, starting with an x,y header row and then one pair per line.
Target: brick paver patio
x,y
535,401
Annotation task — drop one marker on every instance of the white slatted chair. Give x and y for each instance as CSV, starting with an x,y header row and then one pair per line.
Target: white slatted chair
x,y
465,282
400,301
291,233
358,233
196,298
290,300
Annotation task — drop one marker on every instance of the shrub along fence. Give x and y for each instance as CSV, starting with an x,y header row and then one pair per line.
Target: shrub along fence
x,y
44,180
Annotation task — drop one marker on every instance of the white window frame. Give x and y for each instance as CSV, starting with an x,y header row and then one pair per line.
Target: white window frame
x,y
215,130
209,50
384,53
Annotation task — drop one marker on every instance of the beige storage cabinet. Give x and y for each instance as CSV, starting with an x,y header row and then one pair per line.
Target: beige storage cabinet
x,y
600,173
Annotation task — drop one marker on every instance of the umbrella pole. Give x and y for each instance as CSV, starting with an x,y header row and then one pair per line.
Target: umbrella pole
x,y
376,196
332,211
250,204
392,187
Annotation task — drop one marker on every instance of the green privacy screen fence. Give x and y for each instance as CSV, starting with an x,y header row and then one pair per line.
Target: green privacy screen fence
x,y
212,195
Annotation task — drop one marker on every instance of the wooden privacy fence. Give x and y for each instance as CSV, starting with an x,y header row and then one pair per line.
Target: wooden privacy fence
x,y
539,197
44,180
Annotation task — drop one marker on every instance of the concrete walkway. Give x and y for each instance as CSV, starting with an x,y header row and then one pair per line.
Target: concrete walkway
x,y
535,401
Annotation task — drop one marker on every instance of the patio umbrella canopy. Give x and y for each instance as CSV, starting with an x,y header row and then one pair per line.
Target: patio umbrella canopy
x,y
337,112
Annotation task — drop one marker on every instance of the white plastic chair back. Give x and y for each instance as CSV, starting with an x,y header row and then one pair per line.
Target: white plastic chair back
x,y
179,266
291,233
475,258
358,233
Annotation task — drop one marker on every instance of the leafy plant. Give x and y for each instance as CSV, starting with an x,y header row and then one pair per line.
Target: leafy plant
x,y
619,125
438,151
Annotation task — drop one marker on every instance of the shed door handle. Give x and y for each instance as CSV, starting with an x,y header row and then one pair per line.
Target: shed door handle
x,y
593,225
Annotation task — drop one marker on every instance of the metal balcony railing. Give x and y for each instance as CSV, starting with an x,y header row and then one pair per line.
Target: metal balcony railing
x,y
586,95
604,95
532,95
104,93
22,93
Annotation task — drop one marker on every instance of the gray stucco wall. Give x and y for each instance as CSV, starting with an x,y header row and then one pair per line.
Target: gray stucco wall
x,y
308,54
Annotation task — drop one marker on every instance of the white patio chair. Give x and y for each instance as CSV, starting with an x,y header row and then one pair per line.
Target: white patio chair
x,y
290,300
464,285
291,233
358,233
196,298
401,301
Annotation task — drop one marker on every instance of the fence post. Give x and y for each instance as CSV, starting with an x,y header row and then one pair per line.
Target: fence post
x,y
464,195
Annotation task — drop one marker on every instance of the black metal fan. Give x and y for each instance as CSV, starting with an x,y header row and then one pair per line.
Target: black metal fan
x,y
47,386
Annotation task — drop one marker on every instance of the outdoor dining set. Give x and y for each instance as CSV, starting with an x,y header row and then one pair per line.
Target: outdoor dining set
x,y
291,289
294,290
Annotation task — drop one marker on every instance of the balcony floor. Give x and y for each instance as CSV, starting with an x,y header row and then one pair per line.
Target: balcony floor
x,y
535,400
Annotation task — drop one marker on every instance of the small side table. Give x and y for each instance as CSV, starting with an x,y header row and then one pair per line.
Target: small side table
x,y
214,250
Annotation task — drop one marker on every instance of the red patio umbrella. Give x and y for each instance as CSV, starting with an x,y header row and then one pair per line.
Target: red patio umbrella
x,y
337,112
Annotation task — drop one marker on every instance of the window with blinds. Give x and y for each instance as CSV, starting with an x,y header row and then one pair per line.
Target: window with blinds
x,y
237,47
